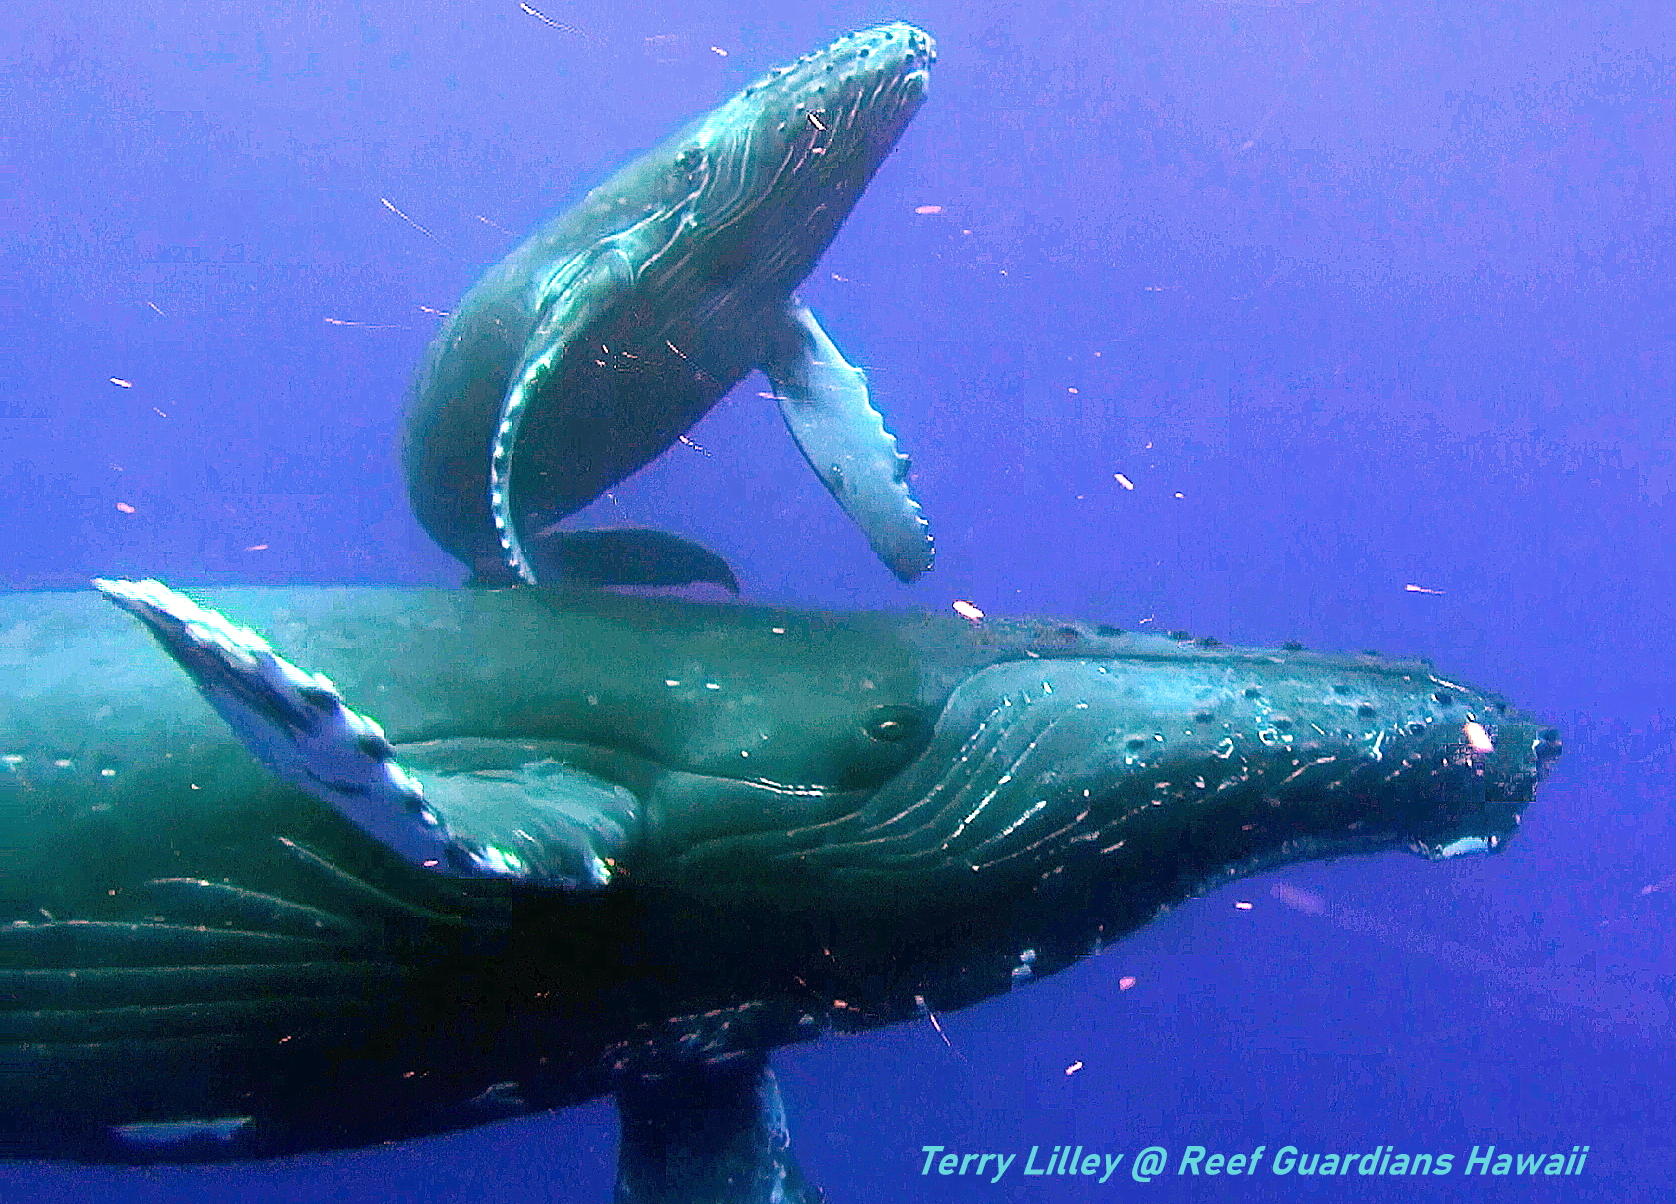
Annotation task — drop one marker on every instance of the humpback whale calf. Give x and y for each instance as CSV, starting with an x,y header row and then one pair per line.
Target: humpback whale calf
x,y
436,857
618,325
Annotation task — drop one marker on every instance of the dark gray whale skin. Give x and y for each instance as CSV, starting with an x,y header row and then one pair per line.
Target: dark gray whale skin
x,y
831,821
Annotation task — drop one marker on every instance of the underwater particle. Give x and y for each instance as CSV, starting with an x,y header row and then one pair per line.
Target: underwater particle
x,y
1299,900
570,29
1123,480
1242,905
718,50
385,201
967,610
1127,981
363,325
257,547
1073,1067
1420,589
925,1010
928,209
125,507
122,384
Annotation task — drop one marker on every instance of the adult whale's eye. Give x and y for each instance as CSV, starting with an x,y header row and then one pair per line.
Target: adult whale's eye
x,y
894,724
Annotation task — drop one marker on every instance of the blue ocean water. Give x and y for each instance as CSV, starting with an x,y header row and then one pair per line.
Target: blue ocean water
x,y
1368,301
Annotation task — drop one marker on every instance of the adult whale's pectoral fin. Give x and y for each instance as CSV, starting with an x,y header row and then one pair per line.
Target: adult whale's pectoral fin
x,y
626,556
711,1134
582,293
563,834
565,827
826,406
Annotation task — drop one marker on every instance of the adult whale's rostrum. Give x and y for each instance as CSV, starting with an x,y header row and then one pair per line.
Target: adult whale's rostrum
x,y
606,844
603,338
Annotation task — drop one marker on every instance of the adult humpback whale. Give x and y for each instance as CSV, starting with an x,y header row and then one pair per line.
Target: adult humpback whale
x,y
611,844
602,339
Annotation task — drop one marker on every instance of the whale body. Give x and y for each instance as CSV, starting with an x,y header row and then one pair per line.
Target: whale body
x,y
716,830
616,326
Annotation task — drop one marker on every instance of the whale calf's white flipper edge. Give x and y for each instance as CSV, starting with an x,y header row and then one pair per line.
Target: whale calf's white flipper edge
x,y
297,725
580,293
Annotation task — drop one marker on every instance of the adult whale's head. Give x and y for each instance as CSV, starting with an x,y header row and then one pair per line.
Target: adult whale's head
x,y
1064,795
765,180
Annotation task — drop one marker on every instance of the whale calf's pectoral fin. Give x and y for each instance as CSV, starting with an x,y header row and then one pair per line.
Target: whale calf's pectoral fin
x,y
710,1134
827,408
298,726
625,556
583,292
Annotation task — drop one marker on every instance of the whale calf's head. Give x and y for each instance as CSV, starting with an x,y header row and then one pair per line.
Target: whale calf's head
x,y
770,176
